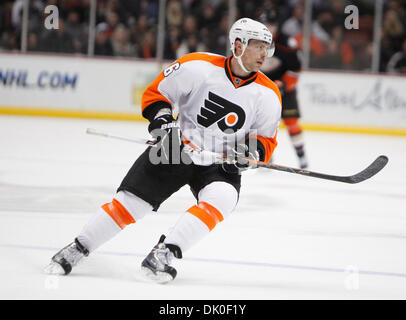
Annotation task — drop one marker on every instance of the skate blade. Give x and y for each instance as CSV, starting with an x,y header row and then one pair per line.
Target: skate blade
x,y
158,277
54,268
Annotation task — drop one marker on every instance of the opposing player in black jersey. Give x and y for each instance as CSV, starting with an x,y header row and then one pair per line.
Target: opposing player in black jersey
x,y
284,68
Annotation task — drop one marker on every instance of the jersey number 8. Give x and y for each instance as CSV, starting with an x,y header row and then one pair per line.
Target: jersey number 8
x,y
171,68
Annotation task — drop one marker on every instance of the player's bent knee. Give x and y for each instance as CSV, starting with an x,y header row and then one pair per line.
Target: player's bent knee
x,y
126,208
221,195
216,201
206,213
118,213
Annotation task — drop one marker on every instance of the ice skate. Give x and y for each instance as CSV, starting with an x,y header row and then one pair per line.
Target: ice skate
x,y
63,262
156,266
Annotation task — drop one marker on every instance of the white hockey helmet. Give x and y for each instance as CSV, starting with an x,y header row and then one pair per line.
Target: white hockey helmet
x,y
246,29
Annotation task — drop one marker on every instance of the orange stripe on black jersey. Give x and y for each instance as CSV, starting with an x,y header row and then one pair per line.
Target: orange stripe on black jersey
x,y
290,81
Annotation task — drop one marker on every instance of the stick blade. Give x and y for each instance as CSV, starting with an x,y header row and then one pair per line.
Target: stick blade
x,y
370,171
95,132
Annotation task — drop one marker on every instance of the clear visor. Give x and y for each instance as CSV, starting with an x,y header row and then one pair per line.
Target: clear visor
x,y
268,48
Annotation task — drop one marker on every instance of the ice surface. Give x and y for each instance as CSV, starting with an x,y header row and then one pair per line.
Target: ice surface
x,y
291,237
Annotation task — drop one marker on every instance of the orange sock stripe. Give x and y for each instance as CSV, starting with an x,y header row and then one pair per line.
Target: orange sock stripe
x,y
292,125
118,213
208,214
294,130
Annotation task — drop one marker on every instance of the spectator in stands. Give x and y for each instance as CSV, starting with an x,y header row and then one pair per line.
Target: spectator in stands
x,y
344,54
32,42
337,11
102,46
147,48
293,25
57,40
149,8
208,20
189,26
190,44
332,58
174,13
36,9
363,58
9,41
121,46
138,30
218,40
322,26
393,28
112,20
77,31
397,63
172,43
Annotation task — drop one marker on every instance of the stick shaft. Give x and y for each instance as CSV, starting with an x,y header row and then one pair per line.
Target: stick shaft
x,y
377,165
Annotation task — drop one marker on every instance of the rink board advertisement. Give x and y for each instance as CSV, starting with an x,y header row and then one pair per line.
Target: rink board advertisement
x,y
114,86
78,83
353,99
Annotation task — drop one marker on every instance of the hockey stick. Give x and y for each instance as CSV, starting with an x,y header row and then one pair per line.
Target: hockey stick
x,y
114,136
377,165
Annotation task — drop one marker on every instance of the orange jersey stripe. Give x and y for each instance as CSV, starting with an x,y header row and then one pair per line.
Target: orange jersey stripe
x,y
118,213
265,81
213,59
152,94
208,214
269,145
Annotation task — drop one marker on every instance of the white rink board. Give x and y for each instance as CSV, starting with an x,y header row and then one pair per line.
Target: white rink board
x,y
77,83
353,99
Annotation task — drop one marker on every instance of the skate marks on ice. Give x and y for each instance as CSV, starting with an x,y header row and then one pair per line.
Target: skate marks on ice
x,y
201,261
52,199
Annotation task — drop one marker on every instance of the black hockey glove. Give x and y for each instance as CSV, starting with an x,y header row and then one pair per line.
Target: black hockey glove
x,y
166,131
240,159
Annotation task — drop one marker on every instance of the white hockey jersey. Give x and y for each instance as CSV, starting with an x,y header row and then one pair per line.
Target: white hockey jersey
x,y
216,108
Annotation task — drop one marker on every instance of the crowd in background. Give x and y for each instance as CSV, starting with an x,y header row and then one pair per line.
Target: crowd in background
x,y
128,28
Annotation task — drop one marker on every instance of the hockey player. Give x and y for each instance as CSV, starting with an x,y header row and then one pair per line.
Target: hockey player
x,y
284,68
222,101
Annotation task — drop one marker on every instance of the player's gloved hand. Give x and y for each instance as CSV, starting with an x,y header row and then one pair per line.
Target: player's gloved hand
x,y
166,131
241,159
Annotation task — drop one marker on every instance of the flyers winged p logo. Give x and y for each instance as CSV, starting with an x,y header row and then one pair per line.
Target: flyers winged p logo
x,y
228,115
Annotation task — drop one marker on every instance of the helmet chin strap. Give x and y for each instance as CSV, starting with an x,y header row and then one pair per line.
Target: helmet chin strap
x,y
239,60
